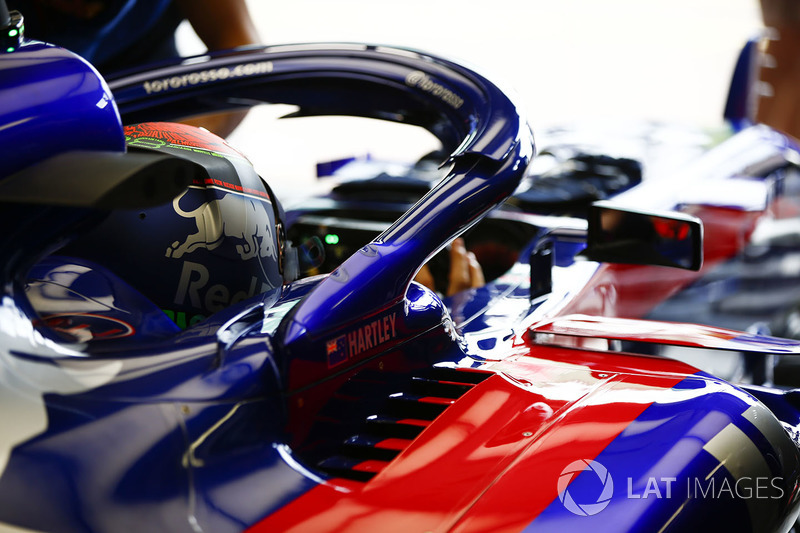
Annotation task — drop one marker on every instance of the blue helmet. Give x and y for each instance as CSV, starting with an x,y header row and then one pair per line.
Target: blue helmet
x,y
220,241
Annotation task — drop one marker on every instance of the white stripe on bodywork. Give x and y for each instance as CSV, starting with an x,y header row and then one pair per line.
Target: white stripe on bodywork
x,y
24,382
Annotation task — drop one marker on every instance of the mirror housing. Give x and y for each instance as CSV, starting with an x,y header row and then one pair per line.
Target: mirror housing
x,y
623,235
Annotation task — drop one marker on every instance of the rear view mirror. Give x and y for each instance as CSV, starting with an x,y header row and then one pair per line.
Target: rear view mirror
x,y
623,235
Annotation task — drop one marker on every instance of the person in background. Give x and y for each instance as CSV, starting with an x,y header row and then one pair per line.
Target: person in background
x,y
115,35
776,100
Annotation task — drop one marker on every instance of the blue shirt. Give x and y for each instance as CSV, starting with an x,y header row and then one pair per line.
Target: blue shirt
x,y
111,34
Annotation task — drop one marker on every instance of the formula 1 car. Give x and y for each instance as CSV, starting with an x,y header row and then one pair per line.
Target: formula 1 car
x,y
165,367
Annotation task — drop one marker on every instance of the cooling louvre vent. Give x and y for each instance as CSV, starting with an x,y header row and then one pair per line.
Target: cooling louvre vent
x,y
401,419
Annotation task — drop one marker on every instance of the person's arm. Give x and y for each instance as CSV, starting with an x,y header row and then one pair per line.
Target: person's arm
x,y
220,24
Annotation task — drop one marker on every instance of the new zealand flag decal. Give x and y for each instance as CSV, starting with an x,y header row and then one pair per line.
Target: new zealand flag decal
x,y
337,351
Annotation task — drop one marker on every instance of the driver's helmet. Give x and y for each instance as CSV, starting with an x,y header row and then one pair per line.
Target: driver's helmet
x,y
219,242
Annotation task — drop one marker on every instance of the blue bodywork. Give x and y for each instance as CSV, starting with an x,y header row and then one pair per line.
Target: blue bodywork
x,y
56,83
215,394
149,426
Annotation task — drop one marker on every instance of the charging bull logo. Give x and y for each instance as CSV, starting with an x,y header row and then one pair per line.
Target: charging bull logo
x,y
234,219
234,226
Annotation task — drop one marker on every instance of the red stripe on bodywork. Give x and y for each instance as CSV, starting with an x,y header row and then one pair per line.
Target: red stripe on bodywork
x,y
433,399
491,461
393,444
372,465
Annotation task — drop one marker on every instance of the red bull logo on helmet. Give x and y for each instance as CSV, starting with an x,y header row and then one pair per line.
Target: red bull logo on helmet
x,y
195,289
237,219
214,245
233,226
